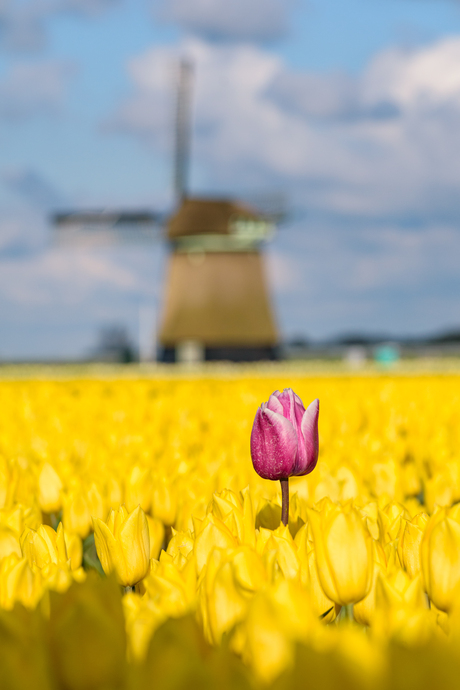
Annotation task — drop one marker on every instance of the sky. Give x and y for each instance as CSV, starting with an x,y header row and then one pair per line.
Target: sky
x,y
348,110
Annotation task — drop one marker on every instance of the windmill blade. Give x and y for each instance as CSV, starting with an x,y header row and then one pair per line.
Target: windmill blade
x,y
183,130
270,205
106,227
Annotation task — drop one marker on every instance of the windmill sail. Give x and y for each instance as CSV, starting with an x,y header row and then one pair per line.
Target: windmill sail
x,y
183,129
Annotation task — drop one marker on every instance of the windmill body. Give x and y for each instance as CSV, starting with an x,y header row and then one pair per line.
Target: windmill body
x,y
216,302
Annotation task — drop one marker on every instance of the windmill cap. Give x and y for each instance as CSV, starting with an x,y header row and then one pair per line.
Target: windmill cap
x,y
208,216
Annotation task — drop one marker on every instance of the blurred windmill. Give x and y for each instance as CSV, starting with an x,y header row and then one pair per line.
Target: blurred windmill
x,y
216,302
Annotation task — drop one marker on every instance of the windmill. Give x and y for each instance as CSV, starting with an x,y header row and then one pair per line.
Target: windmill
x,y
216,301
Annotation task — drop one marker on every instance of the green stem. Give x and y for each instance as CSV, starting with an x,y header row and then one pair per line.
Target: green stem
x,y
284,501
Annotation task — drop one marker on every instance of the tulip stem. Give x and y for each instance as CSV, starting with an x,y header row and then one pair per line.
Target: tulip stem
x,y
284,501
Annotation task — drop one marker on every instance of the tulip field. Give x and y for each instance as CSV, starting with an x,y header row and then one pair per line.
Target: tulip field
x,y
139,548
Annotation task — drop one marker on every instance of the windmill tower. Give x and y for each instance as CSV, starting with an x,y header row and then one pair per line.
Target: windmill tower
x,y
216,302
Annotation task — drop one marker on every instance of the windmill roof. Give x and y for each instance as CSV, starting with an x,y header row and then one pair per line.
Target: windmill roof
x,y
207,216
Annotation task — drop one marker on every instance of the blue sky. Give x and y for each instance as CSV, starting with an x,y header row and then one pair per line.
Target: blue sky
x,y
349,108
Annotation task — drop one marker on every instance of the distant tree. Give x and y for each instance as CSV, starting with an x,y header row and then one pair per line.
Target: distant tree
x,y
115,345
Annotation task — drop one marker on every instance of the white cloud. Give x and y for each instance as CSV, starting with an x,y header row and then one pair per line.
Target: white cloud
x,y
30,186
219,19
60,277
385,142
369,278
88,7
424,77
23,25
54,300
29,88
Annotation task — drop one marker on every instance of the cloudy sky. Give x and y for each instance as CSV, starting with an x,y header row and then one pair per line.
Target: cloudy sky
x,y
348,109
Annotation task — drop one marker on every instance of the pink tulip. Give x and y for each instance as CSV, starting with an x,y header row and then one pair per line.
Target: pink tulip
x,y
284,438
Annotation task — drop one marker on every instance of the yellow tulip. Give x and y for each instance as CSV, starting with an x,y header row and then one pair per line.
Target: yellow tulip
x,y
76,514
237,513
364,610
265,646
5,481
181,543
156,536
209,533
438,491
282,544
344,554
325,608
440,560
74,548
391,521
86,636
409,544
19,583
57,578
138,489
123,545
9,543
114,493
96,502
276,618
401,610
172,589
164,500
44,546
398,589
19,517
142,616
222,601
49,489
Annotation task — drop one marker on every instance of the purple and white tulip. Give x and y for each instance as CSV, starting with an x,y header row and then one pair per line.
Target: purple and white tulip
x,y
284,438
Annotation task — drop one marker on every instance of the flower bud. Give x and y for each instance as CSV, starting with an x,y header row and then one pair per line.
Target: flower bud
x,y
211,532
138,489
123,545
284,438
44,546
440,559
76,514
18,582
164,501
222,602
49,489
344,553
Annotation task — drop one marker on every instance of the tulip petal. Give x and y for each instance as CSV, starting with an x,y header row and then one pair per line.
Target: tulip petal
x,y
106,546
274,404
307,456
273,445
293,408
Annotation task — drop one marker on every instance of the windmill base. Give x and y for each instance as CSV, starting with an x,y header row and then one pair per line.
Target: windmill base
x,y
229,354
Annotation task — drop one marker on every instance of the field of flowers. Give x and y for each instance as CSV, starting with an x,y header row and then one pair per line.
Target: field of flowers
x,y
140,549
